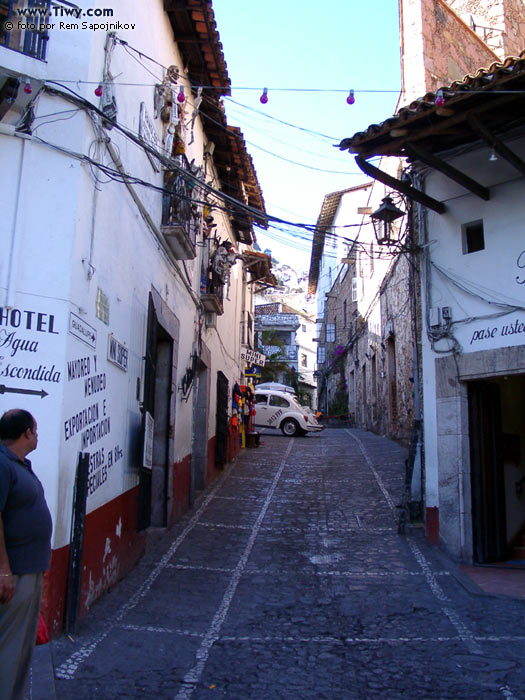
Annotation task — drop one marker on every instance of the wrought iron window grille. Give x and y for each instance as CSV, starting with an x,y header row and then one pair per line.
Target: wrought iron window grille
x,y
24,24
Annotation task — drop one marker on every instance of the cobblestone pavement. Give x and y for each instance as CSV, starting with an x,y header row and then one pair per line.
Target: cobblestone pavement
x,y
288,580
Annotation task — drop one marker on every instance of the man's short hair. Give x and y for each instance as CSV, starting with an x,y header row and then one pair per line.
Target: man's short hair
x,y
14,423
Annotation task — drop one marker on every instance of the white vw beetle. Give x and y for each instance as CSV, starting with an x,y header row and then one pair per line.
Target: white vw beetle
x,y
280,409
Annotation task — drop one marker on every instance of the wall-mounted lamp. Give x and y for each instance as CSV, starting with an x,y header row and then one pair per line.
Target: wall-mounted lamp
x,y
383,218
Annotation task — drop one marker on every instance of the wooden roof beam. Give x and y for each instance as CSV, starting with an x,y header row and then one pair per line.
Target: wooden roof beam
x,y
400,186
493,141
433,161
396,146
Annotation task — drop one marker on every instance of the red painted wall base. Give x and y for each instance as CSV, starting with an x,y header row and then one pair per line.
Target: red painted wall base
x,y
112,545
55,591
232,450
234,444
432,525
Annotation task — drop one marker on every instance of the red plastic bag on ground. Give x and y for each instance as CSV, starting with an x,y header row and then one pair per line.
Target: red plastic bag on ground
x,y
42,635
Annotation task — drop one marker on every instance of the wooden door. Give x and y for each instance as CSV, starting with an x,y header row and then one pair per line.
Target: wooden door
x,y
487,472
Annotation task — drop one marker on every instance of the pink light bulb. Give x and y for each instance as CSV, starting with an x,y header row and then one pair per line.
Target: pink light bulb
x,y
181,97
350,99
264,97
440,100
27,87
98,91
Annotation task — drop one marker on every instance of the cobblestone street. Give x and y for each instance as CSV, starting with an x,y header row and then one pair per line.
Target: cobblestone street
x,y
288,580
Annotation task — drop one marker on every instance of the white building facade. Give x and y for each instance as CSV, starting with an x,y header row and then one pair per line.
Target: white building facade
x,y
474,357
466,143
117,332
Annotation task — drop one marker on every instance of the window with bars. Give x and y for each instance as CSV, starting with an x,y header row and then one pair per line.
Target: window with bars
x,y
26,33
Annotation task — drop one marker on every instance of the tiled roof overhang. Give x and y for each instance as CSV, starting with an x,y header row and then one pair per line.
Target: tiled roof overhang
x,y
324,222
476,110
441,128
244,185
259,265
195,33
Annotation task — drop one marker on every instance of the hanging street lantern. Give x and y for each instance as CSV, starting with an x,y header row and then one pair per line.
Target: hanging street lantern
x,y
383,218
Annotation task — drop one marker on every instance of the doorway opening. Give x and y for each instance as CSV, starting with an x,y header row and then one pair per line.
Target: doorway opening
x,y
391,371
497,469
154,482
221,426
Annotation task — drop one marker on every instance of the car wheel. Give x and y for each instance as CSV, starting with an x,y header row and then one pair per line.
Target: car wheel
x,y
289,427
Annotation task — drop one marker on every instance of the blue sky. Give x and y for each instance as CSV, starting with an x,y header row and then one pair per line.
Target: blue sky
x,y
309,54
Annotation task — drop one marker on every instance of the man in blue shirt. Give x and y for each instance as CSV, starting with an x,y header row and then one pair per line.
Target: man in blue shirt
x,y
25,550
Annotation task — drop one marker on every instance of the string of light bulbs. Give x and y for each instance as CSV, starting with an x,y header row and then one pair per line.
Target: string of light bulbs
x,y
263,99
181,97
439,99
229,201
230,204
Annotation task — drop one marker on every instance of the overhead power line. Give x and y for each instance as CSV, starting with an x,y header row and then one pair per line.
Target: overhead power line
x,y
229,204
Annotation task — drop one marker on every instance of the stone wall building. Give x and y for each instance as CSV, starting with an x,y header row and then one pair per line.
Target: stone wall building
x,y
441,42
463,139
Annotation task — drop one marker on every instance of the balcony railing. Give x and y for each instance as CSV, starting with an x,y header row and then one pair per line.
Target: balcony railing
x,y
178,222
213,298
277,319
24,23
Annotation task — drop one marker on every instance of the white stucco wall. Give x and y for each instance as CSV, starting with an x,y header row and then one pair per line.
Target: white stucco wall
x,y
74,236
484,290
